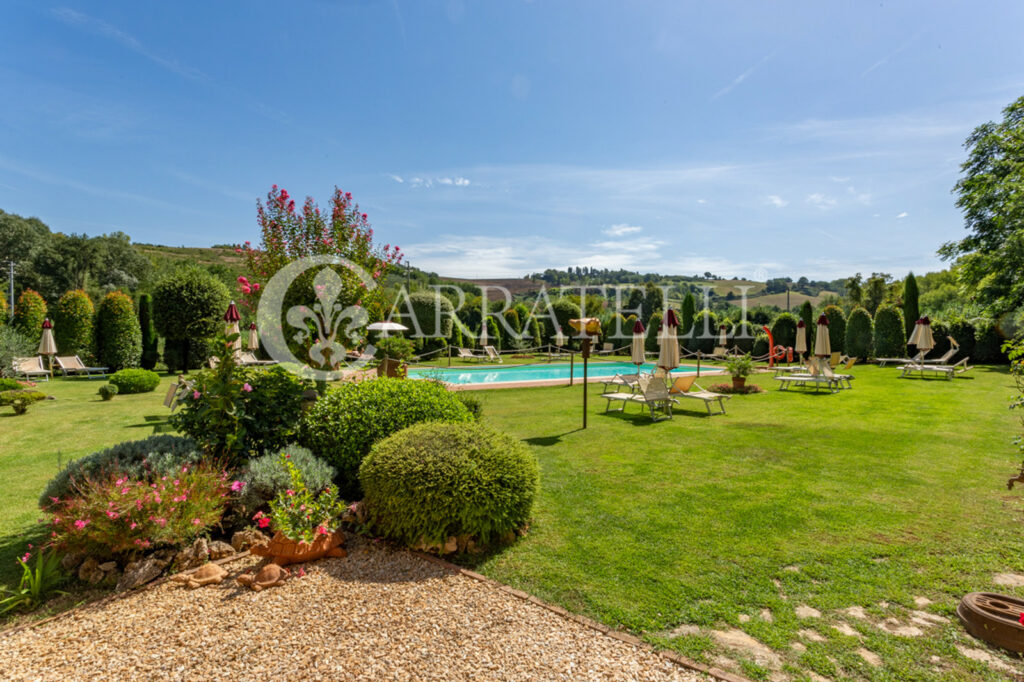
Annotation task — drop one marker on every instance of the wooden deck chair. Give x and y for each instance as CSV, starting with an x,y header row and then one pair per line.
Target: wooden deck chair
x,y
684,387
30,368
72,365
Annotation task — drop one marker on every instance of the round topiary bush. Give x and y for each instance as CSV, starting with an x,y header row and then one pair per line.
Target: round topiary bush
x,y
29,313
72,323
836,328
117,334
108,391
890,332
188,304
341,426
784,330
135,381
564,309
265,477
859,334
155,456
431,482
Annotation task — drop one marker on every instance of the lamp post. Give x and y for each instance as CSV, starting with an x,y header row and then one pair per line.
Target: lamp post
x,y
587,327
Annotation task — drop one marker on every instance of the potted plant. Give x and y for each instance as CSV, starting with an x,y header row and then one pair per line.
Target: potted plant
x,y
305,523
393,352
739,368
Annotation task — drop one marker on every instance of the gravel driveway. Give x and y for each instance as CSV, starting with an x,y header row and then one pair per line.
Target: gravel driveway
x,y
378,614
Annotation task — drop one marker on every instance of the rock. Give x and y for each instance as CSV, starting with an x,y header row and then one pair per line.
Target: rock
x,y
72,560
140,572
742,642
164,554
450,546
1008,579
220,550
805,611
90,572
927,619
244,539
811,635
109,566
191,557
872,659
984,657
922,602
894,627
845,629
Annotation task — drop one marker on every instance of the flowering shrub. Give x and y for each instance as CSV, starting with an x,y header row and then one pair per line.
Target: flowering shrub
x,y
36,584
300,514
267,476
729,389
117,515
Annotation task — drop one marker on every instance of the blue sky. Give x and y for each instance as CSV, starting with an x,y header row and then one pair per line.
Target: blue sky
x,y
500,138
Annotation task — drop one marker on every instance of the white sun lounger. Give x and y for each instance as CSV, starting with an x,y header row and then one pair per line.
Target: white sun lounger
x,y
653,393
30,368
73,365
684,387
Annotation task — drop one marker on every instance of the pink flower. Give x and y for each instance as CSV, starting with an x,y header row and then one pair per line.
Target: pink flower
x,y
237,485
133,526
289,492
320,530
246,387
264,522
258,515
196,395
196,522
124,491
28,555
112,514
80,524
302,572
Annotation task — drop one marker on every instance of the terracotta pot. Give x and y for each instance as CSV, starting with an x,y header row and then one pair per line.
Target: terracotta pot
x,y
283,551
388,367
739,382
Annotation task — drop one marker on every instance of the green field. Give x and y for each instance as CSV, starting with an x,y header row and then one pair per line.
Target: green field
x,y
870,498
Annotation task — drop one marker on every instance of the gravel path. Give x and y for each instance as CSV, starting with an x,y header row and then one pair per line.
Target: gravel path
x,y
376,615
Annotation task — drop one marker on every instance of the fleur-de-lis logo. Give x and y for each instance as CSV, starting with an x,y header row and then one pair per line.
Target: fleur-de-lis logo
x,y
326,317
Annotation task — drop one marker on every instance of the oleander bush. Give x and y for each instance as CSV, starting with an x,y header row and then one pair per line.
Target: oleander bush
x,y
72,323
342,426
135,381
432,481
117,336
151,457
265,477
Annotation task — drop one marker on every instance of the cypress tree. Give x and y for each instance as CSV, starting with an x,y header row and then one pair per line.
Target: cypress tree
x,y
150,354
911,307
807,315
689,309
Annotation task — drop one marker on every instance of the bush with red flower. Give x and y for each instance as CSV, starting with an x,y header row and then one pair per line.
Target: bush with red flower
x,y
114,515
299,513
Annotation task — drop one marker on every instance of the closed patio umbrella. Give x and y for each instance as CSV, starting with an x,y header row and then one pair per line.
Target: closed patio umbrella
x,y
231,320
560,338
668,344
484,340
723,338
637,349
254,338
47,346
822,343
914,335
925,341
801,337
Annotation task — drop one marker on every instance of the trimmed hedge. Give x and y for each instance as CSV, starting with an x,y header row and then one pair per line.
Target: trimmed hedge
x,y
189,305
29,313
859,334
836,328
743,336
72,323
703,335
341,427
964,333
430,482
265,477
890,332
117,335
156,455
988,343
651,337
135,381
807,315
784,330
425,305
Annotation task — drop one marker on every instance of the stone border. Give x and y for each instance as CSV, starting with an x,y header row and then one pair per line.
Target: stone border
x,y
624,637
103,601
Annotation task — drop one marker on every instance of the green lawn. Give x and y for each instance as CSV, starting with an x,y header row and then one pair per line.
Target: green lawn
x,y
888,492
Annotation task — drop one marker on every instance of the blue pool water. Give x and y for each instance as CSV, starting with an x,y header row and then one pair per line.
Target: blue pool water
x,y
500,375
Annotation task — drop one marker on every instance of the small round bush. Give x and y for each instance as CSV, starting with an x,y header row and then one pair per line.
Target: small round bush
x,y
473,403
433,481
153,456
117,335
265,476
135,381
342,426
107,391
23,394
9,384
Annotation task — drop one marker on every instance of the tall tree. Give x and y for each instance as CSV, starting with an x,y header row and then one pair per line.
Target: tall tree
x,y
689,309
855,289
911,307
807,315
991,257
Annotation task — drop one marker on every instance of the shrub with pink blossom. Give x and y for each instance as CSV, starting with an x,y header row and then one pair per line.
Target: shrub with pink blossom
x,y
299,513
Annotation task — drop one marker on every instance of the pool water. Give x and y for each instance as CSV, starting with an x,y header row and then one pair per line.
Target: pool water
x,y
546,372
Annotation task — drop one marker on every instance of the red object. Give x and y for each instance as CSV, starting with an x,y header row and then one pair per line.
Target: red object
x,y
670,318
823,319
47,324
283,551
801,324
252,326
789,354
771,346
638,327
232,314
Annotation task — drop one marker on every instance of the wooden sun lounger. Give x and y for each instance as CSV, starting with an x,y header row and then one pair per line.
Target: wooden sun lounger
x,y
653,394
684,387
72,365
30,368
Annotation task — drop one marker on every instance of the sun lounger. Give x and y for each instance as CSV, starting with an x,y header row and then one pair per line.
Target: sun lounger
x,y
916,360
30,368
949,371
467,354
72,365
606,349
492,353
630,381
794,369
684,387
805,381
248,359
653,393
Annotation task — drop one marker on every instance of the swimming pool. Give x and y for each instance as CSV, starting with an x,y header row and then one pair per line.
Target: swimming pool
x,y
548,373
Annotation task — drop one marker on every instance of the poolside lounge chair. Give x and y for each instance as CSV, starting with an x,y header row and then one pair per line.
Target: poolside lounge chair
x,y
949,371
72,365
492,353
916,360
816,377
606,349
630,381
653,393
248,359
467,354
719,353
30,368
684,387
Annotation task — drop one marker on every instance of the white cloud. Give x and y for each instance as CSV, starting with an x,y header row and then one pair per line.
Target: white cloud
x,y
702,201
777,201
461,182
621,229
396,178
902,215
417,181
836,178
822,201
742,77
445,181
